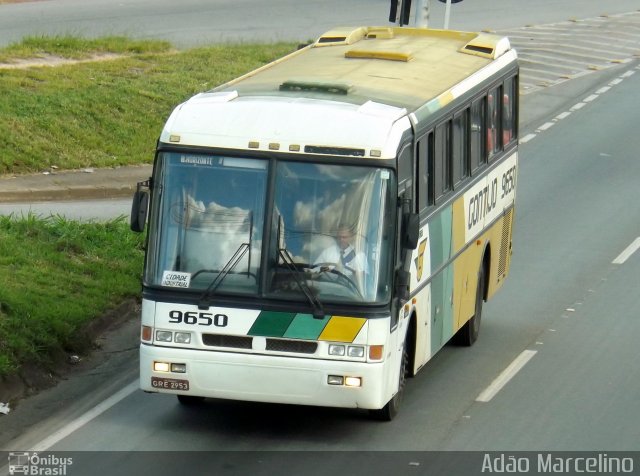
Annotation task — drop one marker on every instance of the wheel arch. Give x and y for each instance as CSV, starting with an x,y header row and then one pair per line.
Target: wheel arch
x,y
486,267
411,342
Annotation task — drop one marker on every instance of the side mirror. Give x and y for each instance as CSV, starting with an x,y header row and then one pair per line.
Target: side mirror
x,y
411,230
139,209
403,279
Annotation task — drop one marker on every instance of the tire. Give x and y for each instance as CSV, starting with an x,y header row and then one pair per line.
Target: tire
x,y
190,400
468,333
391,409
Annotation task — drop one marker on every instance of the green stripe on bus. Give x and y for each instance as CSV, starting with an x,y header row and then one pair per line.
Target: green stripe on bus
x,y
442,284
305,326
271,324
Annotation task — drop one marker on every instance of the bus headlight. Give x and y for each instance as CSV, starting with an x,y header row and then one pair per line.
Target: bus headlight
x,y
355,351
353,381
337,350
164,336
179,368
161,367
182,337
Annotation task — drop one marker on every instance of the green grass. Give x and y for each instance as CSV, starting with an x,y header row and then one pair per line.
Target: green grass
x,y
108,113
57,276
74,47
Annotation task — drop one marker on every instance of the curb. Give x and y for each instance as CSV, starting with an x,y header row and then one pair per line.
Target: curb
x,y
73,185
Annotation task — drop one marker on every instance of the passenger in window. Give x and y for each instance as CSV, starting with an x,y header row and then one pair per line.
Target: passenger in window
x,y
507,122
492,125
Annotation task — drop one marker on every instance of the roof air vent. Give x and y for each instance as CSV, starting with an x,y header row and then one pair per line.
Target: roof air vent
x,y
316,86
341,36
487,46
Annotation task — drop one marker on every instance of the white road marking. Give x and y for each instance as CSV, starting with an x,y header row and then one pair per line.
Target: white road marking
x,y
545,126
527,138
79,422
629,250
506,375
577,106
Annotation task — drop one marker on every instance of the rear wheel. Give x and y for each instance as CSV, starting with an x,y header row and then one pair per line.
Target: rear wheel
x,y
391,409
468,333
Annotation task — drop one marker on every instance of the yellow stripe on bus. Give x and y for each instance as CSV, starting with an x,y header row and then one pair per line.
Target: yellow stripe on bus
x,y
342,329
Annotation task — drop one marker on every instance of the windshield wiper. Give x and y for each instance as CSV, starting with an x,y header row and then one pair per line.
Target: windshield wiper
x,y
233,261
318,310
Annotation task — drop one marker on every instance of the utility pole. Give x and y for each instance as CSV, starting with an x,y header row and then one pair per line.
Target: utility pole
x,y
447,14
422,14
400,11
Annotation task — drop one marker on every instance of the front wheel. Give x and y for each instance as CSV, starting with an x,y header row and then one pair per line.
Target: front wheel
x,y
391,409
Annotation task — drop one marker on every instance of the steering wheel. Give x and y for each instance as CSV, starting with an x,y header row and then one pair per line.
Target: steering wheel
x,y
332,269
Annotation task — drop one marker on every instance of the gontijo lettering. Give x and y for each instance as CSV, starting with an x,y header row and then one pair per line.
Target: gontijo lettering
x,y
489,198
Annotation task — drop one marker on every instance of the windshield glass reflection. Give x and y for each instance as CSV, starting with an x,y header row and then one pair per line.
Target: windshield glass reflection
x,y
330,229
333,221
207,209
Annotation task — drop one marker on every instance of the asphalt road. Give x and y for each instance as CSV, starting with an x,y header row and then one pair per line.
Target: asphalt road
x,y
196,22
566,304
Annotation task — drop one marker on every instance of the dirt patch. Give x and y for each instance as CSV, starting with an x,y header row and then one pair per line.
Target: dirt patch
x,y
35,377
53,60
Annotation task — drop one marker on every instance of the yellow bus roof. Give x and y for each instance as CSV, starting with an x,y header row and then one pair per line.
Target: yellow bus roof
x,y
402,67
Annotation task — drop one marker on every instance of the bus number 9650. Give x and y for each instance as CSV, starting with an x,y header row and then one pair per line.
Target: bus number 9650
x,y
198,318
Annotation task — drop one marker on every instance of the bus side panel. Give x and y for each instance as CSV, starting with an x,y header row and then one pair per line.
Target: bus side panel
x,y
420,273
440,230
500,237
465,269
487,219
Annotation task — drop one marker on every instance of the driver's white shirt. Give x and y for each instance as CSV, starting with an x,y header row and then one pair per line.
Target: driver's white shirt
x,y
333,255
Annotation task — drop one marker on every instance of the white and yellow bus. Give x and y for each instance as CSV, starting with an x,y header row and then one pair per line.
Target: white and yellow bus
x,y
402,140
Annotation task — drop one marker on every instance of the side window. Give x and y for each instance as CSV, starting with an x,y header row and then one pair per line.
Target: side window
x,y
509,99
459,155
476,133
442,159
425,171
405,171
493,123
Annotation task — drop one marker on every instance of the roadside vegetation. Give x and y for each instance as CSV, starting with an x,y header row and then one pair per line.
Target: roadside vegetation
x,y
59,275
104,113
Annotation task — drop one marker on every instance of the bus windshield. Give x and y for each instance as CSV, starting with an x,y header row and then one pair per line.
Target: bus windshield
x,y
330,229
209,214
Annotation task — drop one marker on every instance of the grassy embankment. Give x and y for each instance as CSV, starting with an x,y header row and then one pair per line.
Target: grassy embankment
x,y
58,275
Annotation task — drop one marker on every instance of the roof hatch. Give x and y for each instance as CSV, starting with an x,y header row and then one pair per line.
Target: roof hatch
x,y
487,46
341,36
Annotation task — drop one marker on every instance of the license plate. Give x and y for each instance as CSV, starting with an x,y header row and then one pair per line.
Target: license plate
x,y
169,383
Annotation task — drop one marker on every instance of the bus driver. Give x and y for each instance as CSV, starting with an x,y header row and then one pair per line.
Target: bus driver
x,y
342,256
